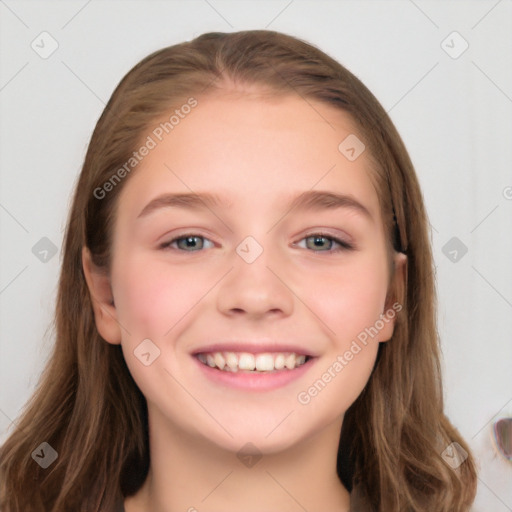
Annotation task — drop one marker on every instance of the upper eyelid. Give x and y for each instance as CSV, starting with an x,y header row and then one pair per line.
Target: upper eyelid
x,y
345,244
335,238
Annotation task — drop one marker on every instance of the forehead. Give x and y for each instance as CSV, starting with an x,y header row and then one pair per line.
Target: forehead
x,y
253,150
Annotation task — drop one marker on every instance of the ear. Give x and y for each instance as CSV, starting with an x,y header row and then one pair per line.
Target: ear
x,y
102,300
395,296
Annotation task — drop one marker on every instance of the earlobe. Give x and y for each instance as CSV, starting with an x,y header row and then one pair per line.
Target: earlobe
x,y
395,296
102,300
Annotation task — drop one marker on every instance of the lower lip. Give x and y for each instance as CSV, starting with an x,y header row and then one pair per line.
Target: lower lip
x,y
254,381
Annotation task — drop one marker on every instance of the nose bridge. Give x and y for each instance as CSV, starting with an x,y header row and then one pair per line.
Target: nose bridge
x,y
253,286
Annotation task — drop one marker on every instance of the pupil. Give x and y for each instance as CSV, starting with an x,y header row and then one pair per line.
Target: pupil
x,y
320,242
190,241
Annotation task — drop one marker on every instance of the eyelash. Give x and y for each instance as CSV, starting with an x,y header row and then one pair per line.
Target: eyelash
x,y
343,245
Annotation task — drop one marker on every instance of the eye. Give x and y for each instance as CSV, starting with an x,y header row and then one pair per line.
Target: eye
x,y
319,242
186,243
325,243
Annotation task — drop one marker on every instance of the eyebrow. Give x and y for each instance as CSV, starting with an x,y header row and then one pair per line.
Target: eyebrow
x,y
311,200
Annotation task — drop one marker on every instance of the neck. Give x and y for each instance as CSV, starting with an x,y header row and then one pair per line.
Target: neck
x,y
191,474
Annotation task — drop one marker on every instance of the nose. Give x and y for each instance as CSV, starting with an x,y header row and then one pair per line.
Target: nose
x,y
256,289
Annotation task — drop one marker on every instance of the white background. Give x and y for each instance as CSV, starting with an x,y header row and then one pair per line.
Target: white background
x,y
454,115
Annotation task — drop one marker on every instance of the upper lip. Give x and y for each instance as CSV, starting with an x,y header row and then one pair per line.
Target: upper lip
x,y
252,347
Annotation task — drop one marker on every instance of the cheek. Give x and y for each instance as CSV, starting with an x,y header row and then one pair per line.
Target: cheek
x,y
349,302
154,296
348,299
350,308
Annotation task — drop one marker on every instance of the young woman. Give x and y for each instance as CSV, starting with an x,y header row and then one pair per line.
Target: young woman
x,y
246,308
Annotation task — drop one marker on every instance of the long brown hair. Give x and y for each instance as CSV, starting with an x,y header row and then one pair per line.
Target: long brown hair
x,y
88,407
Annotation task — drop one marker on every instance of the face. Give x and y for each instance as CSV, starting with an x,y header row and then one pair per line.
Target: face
x,y
281,286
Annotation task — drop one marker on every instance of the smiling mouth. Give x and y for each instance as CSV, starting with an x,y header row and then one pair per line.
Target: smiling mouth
x,y
265,362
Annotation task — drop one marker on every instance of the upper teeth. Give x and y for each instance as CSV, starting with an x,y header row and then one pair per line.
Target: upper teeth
x,y
264,362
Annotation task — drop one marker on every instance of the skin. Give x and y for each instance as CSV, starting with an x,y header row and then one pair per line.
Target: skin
x,y
257,153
